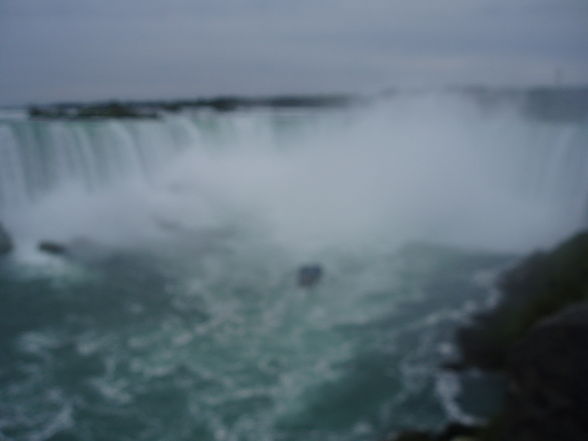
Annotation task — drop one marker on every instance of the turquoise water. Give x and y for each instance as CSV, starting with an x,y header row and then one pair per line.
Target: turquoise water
x,y
222,345
176,316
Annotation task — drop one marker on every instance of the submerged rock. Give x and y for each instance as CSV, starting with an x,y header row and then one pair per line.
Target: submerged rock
x,y
309,275
79,249
5,241
53,248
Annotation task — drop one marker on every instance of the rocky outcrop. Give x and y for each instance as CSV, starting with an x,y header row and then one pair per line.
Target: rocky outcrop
x,y
541,285
547,370
537,338
5,241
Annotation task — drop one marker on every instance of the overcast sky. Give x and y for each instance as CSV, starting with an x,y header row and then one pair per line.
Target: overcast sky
x,y
100,49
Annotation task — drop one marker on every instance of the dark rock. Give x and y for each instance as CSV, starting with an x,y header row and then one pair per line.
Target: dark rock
x,y
538,287
537,338
453,365
451,432
309,275
456,430
53,248
481,345
548,394
413,435
5,241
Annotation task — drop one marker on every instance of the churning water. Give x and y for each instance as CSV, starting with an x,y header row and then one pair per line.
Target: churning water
x,y
176,315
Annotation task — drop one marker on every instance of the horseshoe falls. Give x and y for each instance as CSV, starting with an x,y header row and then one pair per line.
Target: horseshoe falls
x,y
174,312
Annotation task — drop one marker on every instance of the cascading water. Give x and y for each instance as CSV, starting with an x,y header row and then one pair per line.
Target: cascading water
x,y
186,323
40,156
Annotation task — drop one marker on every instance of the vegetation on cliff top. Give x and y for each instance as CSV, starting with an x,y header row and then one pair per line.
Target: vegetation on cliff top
x,y
153,109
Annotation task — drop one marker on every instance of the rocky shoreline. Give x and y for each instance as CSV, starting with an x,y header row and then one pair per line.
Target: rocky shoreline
x,y
536,337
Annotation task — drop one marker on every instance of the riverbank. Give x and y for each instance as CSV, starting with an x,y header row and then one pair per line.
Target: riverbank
x,y
536,338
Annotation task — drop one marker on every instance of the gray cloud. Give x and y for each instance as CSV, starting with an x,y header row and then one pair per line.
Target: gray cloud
x,y
83,49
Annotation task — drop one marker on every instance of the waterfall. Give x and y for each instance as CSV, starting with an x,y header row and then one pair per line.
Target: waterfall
x,y
40,156
433,168
182,289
